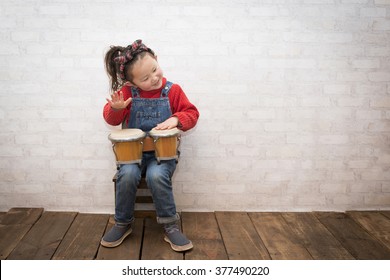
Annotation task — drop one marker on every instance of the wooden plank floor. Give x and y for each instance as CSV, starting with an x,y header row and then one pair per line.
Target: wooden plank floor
x,y
32,233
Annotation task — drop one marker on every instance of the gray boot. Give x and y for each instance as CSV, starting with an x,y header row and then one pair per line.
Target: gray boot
x,y
176,238
116,235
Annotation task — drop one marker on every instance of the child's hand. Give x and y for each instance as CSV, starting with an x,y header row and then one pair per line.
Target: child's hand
x,y
168,124
117,101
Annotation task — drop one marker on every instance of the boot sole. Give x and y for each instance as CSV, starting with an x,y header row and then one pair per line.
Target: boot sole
x,y
178,248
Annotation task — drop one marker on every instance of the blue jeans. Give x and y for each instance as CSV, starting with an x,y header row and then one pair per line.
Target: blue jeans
x,y
159,181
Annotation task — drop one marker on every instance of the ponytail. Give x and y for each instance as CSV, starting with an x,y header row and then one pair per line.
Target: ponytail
x,y
112,68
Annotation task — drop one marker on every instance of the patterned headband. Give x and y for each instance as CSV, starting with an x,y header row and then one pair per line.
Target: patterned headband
x,y
130,52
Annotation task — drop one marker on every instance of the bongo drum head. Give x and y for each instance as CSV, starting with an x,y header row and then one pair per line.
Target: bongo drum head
x,y
164,133
127,134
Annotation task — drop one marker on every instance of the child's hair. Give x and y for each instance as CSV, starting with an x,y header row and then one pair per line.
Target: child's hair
x,y
119,60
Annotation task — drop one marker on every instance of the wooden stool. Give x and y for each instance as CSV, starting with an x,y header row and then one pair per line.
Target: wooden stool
x,y
144,206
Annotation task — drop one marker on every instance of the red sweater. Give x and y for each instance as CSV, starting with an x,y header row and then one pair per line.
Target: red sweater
x,y
180,105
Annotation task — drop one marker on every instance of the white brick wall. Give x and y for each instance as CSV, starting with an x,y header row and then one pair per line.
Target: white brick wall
x,y
294,97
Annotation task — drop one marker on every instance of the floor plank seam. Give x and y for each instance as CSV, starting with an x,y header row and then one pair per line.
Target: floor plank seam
x,y
220,232
261,238
142,239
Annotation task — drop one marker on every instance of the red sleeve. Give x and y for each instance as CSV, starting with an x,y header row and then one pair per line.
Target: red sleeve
x,y
182,108
116,117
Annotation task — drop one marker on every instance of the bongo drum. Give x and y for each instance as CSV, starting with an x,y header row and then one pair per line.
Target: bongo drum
x,y
127,145
166,143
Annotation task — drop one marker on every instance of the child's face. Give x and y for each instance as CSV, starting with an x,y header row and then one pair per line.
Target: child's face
x,y
147,74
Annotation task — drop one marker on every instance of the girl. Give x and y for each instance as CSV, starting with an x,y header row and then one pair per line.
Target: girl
x,y
142,98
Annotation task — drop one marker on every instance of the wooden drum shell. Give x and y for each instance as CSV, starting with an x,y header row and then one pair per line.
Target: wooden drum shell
x,y
127,145
166,143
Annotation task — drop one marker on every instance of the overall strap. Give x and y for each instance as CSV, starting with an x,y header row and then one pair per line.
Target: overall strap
x,y
134,92
166,89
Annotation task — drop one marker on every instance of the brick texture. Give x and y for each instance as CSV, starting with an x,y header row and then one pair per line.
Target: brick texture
x,y
293,95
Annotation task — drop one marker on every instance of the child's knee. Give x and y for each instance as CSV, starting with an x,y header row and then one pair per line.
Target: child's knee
x,y
158,176
154,176
130,172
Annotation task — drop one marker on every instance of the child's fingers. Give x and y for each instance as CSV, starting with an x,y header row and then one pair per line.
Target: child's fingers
x,y
113,97
117,100
116,96
168,124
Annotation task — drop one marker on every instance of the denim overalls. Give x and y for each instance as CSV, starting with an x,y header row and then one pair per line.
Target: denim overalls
x,y
145,114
